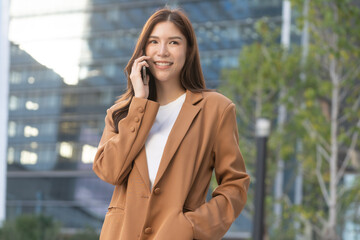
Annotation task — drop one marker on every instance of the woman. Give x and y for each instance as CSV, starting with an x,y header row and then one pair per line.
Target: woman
x,y
162,140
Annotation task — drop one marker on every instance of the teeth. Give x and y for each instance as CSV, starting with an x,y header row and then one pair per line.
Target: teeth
x,y
162,64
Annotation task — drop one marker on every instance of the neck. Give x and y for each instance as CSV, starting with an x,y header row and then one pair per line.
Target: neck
x,y
168,92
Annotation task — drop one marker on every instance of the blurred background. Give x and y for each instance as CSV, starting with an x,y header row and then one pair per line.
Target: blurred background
x,y
295,63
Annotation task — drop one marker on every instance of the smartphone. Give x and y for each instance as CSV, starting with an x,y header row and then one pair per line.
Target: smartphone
x,y
143,75
143,72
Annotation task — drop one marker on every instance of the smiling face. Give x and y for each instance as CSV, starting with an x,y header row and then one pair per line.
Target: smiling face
x,y
167,48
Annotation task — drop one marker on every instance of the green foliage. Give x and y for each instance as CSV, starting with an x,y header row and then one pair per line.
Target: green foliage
x,y
265,70
286,229
268,76
30,227
40,227
87,233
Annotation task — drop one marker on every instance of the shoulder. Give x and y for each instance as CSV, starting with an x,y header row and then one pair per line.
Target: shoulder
x,y
214,105
216,99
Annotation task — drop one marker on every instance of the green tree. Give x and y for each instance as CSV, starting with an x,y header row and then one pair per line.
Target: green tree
x,y
322,98
87,233
30,227
331,116
40,227
258,87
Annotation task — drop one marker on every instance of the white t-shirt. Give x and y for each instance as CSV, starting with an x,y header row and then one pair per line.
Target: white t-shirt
x,y
159,133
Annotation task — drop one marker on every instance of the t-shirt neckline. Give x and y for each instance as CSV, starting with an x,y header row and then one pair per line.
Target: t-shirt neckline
x,y
174,102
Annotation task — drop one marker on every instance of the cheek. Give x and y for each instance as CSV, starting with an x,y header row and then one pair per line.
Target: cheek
x,y
149,51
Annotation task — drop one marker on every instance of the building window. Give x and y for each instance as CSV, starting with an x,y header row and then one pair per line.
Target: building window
x,y
12,129
28,158
10,155
30,131
15,77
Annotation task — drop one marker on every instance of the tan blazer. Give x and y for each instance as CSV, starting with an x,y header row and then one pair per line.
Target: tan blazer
x,y
204,137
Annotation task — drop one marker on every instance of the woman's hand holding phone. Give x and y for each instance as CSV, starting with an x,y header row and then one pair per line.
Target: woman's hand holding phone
x,y
140,84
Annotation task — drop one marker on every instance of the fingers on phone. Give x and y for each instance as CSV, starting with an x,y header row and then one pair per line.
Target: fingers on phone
x,y
138,67
143,63
142,58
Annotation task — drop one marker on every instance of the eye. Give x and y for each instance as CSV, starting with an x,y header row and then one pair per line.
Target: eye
x,y
174,42
153,41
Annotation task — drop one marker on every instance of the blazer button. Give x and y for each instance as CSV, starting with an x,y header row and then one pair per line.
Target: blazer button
x,y
136,119
140,109
157,191
148,230
132,129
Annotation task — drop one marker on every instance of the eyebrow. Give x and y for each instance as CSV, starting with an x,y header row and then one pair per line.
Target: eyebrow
x,y
174,37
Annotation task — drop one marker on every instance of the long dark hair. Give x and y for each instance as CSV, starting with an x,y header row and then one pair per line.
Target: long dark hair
x,y
191,76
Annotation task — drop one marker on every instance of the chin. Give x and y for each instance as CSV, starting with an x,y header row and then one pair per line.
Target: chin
x,y
163,78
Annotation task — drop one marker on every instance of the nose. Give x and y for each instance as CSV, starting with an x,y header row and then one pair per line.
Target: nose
x,y
163,51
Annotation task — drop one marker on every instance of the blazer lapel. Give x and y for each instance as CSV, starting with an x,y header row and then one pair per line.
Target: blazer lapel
x,y
186,116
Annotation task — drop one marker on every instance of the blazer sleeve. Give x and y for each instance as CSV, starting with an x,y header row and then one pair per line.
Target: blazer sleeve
x,y
116,151
212,219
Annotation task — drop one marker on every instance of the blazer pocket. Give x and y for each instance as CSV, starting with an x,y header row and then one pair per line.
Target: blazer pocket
x,y
115,210
113,223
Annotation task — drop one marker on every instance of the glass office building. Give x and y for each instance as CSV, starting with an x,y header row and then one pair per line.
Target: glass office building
x,y
67,61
